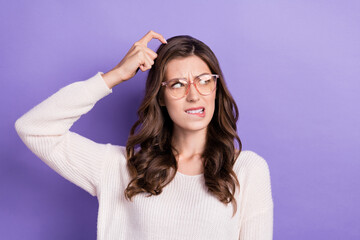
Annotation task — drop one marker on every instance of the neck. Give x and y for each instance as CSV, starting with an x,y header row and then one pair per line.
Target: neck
x,y
189,143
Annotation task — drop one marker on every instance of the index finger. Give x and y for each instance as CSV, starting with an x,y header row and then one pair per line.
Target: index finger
x,y
150,35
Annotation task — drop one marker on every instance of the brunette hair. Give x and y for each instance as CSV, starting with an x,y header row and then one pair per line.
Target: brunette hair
x,y
154,165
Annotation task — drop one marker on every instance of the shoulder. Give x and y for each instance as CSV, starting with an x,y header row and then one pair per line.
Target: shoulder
x,y
255,183
118,153
251,163
117,156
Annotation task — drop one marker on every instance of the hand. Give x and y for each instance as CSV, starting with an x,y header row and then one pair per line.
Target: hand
x,y
139,56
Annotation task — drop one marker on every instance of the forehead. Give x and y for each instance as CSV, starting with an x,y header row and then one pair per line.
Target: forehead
x,y
185,67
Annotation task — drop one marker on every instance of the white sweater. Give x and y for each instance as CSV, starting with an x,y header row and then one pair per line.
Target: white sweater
x,y
184,210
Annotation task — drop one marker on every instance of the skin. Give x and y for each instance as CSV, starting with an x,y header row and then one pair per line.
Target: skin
x,y
189,134
139,56
190,131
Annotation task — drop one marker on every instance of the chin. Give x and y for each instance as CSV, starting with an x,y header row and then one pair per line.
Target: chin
x,y
193,127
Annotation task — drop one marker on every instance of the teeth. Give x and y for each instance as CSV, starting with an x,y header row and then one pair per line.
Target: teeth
x,y
196,111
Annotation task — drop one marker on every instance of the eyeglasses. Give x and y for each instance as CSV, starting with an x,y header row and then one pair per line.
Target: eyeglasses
x,y
205,84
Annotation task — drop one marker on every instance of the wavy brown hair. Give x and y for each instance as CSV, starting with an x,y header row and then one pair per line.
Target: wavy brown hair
x,y
154,165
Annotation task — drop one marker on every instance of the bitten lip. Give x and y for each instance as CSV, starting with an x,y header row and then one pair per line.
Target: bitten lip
x,y
196,108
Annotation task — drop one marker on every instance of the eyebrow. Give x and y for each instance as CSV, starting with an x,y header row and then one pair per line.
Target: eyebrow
x,y
186,78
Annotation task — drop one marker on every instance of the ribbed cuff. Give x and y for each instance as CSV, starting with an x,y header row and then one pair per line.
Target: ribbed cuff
x,y
97,86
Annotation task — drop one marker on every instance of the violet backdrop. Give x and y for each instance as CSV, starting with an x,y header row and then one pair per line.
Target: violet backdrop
x,y
293,68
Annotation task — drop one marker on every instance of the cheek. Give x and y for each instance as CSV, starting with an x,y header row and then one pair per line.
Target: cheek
x,y
172,107
211,101
211,106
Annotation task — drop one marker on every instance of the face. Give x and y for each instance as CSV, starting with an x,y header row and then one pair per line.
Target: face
x,y
189,68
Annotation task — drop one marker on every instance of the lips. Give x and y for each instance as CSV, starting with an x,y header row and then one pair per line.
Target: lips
x,y
194,109
198,111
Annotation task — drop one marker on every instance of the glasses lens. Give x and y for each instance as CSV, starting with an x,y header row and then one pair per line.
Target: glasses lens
x,y
205,84
177,87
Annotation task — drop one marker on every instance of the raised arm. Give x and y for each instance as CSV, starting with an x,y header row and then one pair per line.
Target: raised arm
x,y
45,128
45,131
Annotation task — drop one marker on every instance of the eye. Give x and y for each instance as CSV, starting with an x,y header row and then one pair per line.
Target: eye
x,y
205,79
177,84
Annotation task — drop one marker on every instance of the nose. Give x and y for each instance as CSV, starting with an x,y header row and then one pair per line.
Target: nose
x,y
193,94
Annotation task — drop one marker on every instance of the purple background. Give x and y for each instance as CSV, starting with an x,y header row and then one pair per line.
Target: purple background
x,y
292,66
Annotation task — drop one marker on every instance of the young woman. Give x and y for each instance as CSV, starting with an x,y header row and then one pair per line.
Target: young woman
x,y
180,175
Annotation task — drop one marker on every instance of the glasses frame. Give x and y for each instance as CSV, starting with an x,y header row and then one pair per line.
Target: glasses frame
x,y
166,84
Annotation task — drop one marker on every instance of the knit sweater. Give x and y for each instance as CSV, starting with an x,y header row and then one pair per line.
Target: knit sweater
x,y
184,210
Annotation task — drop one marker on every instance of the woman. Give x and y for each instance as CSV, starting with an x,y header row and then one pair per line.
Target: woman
x,y
180,176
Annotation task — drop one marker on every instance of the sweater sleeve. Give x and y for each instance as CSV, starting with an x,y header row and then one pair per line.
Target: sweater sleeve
x,y
258,216
45,131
